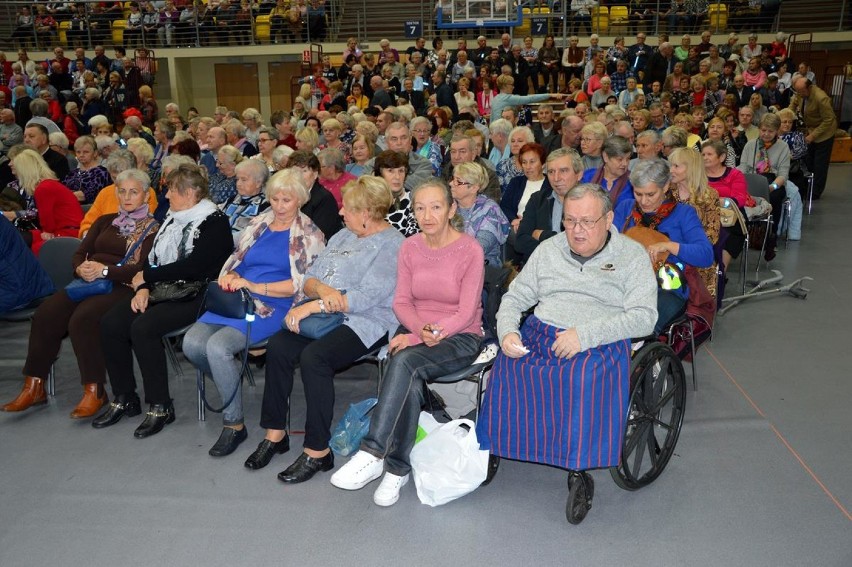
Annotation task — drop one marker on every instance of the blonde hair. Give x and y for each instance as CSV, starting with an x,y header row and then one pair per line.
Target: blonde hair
x,y
288,181
700,192
474,173
369,193
308,136
31,170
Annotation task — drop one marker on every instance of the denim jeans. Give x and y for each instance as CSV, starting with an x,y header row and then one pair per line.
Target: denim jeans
x,y
393,425
211,349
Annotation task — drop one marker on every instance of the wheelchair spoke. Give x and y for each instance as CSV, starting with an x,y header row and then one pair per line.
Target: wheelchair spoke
x,y
639,438
663,401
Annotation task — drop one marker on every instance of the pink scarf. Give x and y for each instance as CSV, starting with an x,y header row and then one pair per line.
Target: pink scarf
x,y
125,222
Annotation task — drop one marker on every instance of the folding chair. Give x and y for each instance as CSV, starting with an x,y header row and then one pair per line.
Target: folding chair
x,y
758,186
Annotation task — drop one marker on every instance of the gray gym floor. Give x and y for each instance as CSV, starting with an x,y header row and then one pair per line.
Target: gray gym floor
x,y
760,475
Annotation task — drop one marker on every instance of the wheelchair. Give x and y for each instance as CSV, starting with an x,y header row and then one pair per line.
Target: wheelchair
x,y
654,420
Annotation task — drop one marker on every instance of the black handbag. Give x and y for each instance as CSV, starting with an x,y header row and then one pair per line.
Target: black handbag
x,y
231,304
318,325
79,289
237,304
177,291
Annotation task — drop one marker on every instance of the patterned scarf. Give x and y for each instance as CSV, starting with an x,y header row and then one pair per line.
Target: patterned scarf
x,y
126,221
649,220
762,164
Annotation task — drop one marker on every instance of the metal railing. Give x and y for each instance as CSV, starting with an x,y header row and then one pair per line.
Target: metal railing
x,y
92,26
372,19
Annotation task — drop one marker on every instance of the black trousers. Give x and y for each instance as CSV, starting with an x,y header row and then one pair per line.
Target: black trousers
x,y
125,333
319,360
818,160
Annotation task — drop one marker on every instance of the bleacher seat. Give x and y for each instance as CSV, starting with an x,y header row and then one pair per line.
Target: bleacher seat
x,y
64,26
262,29
717,17
600,20
118,27
619,20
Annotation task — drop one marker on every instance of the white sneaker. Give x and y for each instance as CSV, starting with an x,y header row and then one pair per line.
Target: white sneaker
x,y
388,491
361,470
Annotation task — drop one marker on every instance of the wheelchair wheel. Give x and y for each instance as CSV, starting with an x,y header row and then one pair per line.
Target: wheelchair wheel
x,y
654,418
581,490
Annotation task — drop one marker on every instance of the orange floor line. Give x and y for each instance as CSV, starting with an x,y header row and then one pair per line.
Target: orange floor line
x,y
781,437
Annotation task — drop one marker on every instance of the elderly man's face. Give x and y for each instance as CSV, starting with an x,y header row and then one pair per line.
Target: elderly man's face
x,y
561,175
35,139
460,152
399,140
584,211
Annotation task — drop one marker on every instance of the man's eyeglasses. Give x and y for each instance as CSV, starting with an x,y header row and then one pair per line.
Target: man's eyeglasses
x,y
585,224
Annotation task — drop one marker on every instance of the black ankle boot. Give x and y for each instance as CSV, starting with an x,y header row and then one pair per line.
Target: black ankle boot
x,y
124,405
158,416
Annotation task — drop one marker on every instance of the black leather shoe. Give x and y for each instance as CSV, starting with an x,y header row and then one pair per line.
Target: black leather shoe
x,y
228,442
305,468
157,417
124,405
264,452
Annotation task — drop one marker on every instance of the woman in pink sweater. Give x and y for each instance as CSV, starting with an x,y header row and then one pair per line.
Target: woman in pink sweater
x,y
440,275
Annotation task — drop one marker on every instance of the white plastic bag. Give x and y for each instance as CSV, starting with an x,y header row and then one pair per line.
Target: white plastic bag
x,y
448,464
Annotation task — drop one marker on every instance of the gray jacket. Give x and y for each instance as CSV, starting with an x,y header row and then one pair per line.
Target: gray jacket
x,y
613,296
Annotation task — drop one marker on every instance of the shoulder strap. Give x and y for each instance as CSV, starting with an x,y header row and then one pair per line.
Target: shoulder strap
x,y
136,244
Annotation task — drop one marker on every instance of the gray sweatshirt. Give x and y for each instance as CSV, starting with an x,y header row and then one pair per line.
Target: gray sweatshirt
x,y
613,296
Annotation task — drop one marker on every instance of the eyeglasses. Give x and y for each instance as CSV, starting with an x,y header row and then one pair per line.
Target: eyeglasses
x,y
585,224
129,192
588,140
264,140
457,181
421,131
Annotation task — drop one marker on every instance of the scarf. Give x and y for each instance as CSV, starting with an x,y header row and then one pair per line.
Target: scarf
x,y
125,222
176,237
306,242
651,220
617,185
762,164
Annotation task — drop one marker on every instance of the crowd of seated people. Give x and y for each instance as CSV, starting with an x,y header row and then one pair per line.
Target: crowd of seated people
x,y
171,23
390,214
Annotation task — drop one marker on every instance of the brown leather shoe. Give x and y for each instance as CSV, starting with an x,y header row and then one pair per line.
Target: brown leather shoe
x,y
94,398
31,395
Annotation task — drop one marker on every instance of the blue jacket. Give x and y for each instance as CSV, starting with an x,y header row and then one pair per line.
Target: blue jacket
x,y
681,226
22,279
626,191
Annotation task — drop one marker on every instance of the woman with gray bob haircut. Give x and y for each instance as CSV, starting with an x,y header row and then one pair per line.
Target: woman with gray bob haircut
x,y
257,266
683,244
613,175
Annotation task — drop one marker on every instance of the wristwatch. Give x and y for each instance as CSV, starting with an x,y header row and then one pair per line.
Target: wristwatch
x,y
321,304
105,271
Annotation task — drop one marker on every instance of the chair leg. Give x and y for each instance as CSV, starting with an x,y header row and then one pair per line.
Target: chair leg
x,y
172,356
51,380
692,348
810,191
202,411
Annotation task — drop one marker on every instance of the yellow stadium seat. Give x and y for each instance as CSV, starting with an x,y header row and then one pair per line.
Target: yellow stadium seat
x,y
63,32
619,20
600,20
524,29
118,31
262,29
717,17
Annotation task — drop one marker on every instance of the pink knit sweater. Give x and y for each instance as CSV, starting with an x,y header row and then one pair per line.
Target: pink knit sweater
x,y
440,287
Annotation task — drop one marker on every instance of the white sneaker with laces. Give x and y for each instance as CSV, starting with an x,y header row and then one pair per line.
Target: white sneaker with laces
x,y
388,491
361,470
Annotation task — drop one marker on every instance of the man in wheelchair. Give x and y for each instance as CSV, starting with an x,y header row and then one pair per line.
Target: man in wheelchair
x,y
559,390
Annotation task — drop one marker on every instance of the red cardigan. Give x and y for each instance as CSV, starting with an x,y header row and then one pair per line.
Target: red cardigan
x,y
59,212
